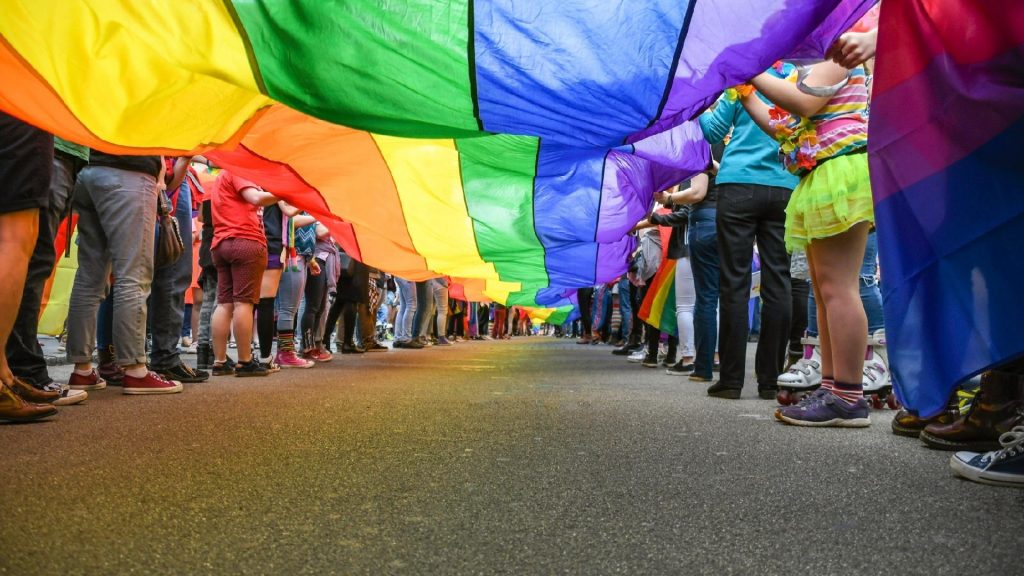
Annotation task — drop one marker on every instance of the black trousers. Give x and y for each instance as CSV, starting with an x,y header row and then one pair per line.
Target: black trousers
x,y
749,213
585,296
801,294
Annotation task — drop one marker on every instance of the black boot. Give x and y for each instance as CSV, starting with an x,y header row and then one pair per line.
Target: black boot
x,y
204,357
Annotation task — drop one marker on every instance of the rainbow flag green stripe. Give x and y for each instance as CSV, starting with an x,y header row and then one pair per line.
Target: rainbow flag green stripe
x,y
498,174
414,57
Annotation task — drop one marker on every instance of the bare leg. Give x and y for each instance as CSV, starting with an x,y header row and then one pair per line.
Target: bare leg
x,y
837,262
241,322
220,331
18,231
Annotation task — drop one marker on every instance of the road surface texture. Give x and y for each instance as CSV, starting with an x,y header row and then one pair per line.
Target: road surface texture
x,y
532,456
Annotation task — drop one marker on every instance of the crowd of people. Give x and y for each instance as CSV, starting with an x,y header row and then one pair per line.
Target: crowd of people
x,y
250,272
791,191
789,177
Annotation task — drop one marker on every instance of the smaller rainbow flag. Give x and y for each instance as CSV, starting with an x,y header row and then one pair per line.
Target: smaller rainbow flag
x,y
659,307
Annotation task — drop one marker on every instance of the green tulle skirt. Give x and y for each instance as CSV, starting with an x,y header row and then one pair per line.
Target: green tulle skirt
x,y
829,201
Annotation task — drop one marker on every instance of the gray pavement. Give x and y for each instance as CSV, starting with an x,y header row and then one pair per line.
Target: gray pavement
x,y
533,456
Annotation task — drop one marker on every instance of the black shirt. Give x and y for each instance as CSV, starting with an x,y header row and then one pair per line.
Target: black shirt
x,y
146,164
272,227
206,237
711,198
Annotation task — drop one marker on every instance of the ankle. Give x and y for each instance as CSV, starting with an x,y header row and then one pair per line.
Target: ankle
x,y
137,371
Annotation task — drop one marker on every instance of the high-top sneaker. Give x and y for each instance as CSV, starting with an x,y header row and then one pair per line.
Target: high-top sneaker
x,y
996,410
108,369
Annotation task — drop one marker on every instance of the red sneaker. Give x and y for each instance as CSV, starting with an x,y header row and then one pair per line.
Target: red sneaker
x,y
90,382
324,355
289,359
151,383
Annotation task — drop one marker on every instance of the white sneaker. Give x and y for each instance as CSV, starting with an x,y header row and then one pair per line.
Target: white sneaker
x,y
67,395
638,356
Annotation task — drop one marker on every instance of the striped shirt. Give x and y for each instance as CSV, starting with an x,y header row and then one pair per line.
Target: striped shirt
x,y
841,126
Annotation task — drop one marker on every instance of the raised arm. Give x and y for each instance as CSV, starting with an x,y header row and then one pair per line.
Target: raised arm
x,y
787,96
258,197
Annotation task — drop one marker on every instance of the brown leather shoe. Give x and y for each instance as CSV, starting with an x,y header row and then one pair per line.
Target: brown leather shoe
x,y
30,393
996,409
907,424
14,409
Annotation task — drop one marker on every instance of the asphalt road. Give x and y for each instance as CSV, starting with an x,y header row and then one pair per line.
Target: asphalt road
x,y
533,456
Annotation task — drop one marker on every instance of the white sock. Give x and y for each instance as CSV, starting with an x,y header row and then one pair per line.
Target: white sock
x,y
137,372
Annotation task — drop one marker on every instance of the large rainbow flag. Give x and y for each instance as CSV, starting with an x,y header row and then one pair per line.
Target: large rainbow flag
x,y
509,145
947,127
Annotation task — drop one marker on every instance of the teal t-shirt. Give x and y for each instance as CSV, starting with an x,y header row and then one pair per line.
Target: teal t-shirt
x,y
751,157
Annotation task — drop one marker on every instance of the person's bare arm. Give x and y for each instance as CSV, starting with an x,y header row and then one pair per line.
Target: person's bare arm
x,y
180,170
695,193
758,112
322,231
787,96
288,210
303,220
258,197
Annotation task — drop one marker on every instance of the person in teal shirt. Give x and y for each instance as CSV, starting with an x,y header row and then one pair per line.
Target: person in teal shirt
x,y
751,192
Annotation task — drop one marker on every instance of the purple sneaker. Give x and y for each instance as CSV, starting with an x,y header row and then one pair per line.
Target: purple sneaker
x,y
826,409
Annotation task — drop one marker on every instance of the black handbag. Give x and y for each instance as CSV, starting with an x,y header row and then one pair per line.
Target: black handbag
x,y
169,246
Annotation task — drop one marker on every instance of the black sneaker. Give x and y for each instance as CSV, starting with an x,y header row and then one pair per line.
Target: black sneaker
x,y
622,351
679,369
649,361
722,390
666,361
768,392
410,344
183,373
226,368
250,368
375,347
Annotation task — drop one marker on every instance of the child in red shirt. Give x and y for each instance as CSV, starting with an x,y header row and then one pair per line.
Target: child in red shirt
x,y
240,255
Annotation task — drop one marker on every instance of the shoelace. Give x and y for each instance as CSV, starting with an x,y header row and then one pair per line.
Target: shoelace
x,y
810,398
1013,444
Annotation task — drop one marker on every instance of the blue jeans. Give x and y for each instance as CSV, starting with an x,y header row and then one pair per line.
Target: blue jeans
x,y
703,238
625,307
424,309
167,297
406,309
870,295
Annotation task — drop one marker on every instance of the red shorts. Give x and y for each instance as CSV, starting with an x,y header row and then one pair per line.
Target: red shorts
x,y
240,263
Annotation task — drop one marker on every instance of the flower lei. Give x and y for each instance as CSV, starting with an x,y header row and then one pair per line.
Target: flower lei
x,y
798,143
739,91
